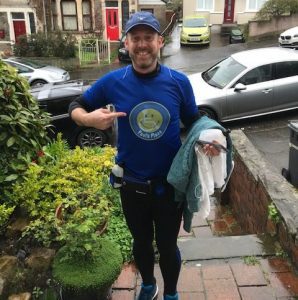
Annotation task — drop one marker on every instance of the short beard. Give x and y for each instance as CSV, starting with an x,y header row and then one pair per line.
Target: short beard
x,y
145,64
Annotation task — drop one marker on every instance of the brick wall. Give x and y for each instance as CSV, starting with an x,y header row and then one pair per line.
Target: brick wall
x,y
254,184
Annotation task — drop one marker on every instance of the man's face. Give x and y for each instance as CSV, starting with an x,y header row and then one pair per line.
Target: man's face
x,y
143,44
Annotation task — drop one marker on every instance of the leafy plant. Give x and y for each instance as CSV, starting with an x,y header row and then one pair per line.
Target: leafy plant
x,y
91,279
37,292
68,198
274,8
273,213
251,260
118,232
22,133
76,180
53,44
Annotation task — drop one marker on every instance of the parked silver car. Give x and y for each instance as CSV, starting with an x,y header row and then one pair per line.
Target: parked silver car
x,y
248,83
37,73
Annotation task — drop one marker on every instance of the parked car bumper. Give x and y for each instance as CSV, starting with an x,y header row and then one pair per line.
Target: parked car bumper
x,y
186,40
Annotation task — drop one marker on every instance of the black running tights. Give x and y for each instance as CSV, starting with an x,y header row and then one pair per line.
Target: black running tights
x,y
148,216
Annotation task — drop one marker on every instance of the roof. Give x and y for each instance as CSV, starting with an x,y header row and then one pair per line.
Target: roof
x,y
261,56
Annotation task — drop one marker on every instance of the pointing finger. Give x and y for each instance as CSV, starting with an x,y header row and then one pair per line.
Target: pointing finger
x,y
117,114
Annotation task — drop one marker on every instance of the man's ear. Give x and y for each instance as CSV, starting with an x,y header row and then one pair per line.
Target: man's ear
x,y
126,43
161,40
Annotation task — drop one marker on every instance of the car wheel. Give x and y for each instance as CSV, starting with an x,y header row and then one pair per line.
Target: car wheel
x,y
91,137
38,82
203,111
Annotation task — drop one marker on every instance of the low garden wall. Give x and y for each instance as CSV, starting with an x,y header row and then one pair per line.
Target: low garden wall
x,y
254,185
275,25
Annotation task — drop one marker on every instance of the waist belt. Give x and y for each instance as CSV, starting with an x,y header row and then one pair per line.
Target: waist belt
x,y
156,186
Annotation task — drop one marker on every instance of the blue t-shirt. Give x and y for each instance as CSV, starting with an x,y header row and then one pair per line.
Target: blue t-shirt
x,y
149,136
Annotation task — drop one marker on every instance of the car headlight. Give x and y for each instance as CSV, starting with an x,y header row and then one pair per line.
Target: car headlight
x,y
205,33
295,35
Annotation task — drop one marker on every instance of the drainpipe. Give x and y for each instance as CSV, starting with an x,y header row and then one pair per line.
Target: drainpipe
x,y
45,19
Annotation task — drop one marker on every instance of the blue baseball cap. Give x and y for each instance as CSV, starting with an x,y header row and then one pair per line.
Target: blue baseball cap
x,y
142,18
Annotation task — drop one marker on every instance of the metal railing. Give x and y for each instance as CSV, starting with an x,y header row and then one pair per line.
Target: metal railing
x,y
94,51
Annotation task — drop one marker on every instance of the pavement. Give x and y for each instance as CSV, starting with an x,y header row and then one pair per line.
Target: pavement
x,y
221,262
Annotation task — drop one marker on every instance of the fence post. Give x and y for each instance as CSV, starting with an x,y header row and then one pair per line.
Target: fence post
x,y
109,51
80,52
97,52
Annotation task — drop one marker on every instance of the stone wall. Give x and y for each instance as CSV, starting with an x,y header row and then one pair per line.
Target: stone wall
x,y
275,25
253,185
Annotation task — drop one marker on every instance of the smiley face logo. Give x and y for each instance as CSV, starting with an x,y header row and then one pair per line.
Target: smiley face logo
x,y
149,120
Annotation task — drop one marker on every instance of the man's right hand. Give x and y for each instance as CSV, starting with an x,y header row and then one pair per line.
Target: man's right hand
x,y
101,118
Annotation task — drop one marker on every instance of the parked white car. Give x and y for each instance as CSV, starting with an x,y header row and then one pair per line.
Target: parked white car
x,y
289,38
37,73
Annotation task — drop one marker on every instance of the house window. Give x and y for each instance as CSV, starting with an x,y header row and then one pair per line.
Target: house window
x,y
125,12
69,15
255,5
18,16
54,15
205,4
32,22
86,15
111,3
4,27
148,9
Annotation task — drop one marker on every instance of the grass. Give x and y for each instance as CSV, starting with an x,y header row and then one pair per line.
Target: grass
x,y
251,260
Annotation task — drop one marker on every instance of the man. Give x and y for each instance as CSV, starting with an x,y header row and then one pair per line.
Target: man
x,y
149,99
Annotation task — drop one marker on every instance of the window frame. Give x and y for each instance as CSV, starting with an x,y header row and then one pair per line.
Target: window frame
x,y
203,8
288,72
89,15
259,75
151,10
54,15
257,6
63,15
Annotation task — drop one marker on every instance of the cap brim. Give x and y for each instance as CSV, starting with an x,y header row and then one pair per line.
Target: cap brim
x,y
144,23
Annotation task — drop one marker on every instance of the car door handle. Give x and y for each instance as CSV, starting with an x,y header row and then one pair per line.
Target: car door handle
x,y
266,91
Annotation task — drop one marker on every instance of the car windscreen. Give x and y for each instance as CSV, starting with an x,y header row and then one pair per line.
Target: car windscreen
x,y
30,63
223,73
195,22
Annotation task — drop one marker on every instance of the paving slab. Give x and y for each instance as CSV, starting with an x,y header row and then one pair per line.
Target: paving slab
x,y
221,247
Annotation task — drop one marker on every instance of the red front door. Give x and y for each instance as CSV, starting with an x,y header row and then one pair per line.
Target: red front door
x,y
19,29
112,24
229,11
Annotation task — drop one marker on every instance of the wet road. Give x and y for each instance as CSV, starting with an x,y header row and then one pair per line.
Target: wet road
x,y
270,134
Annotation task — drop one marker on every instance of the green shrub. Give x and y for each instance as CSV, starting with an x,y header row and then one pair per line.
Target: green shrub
x,y
22,132
77,182
88,280
275,8
73,179
118,232
53,44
